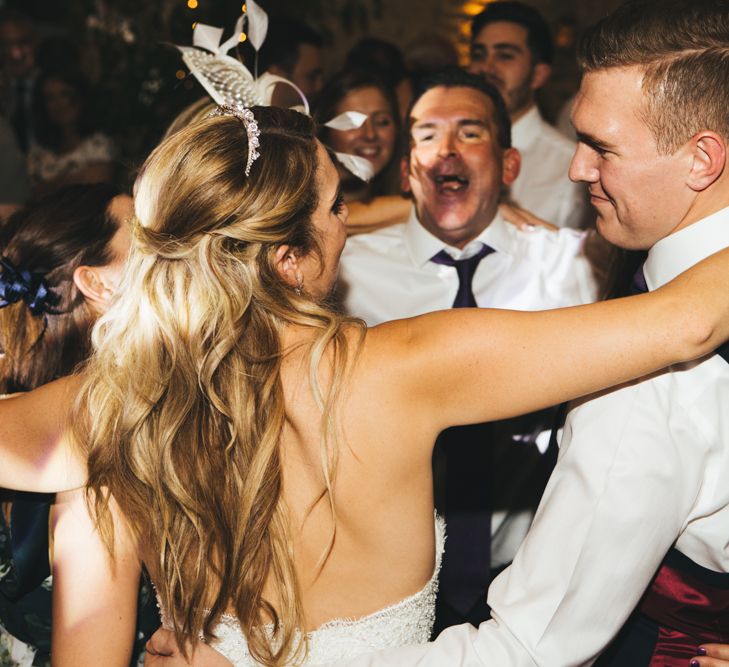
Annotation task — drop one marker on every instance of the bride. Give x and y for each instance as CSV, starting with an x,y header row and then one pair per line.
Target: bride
x,y
269,460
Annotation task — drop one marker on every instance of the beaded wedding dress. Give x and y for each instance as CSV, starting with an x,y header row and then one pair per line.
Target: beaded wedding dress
x,y
409,621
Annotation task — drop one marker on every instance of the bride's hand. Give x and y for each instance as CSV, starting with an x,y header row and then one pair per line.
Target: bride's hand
x,y
717,655
162,651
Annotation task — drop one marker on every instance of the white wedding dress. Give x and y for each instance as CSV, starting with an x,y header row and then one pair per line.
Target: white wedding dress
x,y
409,621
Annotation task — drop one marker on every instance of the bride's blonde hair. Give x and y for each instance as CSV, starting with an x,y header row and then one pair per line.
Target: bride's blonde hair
x,y
184,403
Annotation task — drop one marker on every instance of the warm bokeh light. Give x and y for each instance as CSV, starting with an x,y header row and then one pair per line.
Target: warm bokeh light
x,y
244,8
472,8
180,74
192,4
243,37
465,13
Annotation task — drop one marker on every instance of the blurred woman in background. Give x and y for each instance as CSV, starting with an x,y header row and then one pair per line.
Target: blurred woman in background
x,y
60,262
68,146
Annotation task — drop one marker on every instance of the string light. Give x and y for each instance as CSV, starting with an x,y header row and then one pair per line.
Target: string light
x,y
192,4
466,11
473,8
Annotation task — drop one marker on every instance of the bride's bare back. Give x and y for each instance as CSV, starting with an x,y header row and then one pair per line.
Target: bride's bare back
x,y
410,380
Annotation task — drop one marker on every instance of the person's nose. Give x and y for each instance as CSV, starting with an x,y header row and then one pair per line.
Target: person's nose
x,y
368,130
448,145
583,167
489,64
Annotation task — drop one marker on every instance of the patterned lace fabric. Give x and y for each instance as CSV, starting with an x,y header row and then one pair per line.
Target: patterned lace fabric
x,y
44,164
409,621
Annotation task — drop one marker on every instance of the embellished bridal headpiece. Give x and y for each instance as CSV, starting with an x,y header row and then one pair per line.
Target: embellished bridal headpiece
x,y
245,115
234,88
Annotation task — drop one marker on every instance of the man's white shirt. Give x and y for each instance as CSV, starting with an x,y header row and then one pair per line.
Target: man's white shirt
x,y
642,468
388,275
543,186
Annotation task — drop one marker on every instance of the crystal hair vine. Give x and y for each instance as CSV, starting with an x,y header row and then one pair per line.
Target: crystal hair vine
x,y
231,85
245,115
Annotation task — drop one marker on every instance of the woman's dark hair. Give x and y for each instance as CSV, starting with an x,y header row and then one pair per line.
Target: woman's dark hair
x,y
376,55
46,132
70,228
334,91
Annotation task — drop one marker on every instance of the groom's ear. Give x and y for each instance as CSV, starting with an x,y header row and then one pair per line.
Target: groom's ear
x,y
708,159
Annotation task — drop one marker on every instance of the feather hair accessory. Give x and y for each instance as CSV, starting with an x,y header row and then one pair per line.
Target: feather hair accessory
x,y
227,80
232,86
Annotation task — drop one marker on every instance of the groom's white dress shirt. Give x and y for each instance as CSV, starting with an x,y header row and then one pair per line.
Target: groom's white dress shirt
x,y
641,468
388,275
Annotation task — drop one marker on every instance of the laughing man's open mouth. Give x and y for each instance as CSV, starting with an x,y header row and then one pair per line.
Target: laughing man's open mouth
x,y
450,183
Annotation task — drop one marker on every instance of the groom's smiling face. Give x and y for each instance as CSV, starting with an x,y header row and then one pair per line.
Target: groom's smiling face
x,y
456,167
639,192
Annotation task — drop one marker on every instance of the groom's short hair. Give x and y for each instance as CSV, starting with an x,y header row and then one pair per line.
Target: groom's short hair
x,y
683,48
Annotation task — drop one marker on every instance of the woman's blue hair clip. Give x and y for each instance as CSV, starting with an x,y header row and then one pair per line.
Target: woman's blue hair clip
x,y
21,284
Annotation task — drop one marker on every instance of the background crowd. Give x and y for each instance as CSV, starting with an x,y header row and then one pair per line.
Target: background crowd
x,y
88,91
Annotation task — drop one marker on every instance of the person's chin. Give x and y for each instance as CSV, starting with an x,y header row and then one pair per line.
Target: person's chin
x,y
451,216
613,232
607,227
454,228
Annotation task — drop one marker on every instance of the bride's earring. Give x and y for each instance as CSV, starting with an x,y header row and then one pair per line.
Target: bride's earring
x,y
300,285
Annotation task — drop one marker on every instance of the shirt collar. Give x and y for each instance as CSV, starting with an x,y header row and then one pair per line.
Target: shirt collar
x,y
422,245
678,252
526,130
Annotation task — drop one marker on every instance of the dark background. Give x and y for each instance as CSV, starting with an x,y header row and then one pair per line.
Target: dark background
x,y
124,46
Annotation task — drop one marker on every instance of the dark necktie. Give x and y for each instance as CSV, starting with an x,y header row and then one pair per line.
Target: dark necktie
x,y
462,464
638,286
465,269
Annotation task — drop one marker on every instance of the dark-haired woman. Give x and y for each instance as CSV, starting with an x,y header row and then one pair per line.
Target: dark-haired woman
x,y
61,261
378,203
68,148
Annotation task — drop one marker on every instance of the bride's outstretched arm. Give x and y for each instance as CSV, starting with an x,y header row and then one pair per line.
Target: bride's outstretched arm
x,y
476,365
34,455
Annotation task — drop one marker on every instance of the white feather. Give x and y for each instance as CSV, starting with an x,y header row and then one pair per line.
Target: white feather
x,y
257,24
206,37
360,167
234,38
349,120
